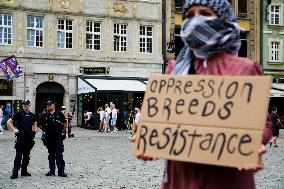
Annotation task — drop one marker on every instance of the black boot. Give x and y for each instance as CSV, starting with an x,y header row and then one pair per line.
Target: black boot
x,y
14,176
25,173
50,173
62,174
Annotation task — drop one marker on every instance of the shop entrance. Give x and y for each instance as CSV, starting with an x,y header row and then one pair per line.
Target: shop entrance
x,y
49,91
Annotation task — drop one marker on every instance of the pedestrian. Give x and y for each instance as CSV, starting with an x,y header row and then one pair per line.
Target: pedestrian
x,y
23,123
275,126
137,120
54,125
107,118
65,113
8,114
101,112
87,118
113,118
212,40
1,118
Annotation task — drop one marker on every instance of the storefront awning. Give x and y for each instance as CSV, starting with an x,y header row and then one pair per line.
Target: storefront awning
x,y
117,85
84,87
277,90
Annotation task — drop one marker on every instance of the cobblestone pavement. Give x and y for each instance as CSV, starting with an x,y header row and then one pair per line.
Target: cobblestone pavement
x,y
104,160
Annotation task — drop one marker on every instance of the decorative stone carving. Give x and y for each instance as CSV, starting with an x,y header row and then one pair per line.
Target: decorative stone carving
x,y
65,4
50,4
120,7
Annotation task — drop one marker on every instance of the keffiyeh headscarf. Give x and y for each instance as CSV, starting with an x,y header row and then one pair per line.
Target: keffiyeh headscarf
x,y
206,36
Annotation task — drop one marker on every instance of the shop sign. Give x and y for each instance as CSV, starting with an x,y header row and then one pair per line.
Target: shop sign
x,y
96,70
6,87
204,119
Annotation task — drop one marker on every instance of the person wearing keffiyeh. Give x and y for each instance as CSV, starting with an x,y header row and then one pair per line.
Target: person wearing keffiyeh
x,y
212,40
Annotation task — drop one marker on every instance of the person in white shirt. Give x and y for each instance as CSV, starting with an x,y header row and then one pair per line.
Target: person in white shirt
x,y
136,120
107,118
87,117
1,118
101,112
113,118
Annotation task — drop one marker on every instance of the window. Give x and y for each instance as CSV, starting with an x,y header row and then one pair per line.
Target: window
x,y
275,51
146,39
35,31
93,35
120,37
274,15
5,29
65,34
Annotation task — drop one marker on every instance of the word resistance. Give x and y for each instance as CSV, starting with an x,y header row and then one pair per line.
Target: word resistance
x,y
178,141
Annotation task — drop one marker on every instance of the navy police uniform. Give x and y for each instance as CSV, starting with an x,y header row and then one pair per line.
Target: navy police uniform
x,y
25,140
52,126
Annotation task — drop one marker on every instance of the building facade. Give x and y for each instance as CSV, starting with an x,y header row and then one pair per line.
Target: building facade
x,y
272,49
57,41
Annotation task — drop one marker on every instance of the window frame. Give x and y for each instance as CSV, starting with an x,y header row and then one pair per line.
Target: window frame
x,y
93,33
120,37
272,50
35,29
2,15
65,31
280,14
146,37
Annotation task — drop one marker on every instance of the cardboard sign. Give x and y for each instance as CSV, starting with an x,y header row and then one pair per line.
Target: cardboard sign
x,y
215,120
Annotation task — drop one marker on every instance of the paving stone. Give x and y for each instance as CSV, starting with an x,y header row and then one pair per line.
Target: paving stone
x,y
105,161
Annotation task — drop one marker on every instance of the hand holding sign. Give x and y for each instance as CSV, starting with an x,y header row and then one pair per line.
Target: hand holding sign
x,y
202,119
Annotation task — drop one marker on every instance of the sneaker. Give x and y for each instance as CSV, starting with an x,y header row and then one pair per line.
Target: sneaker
x,y
62,174
275,146
1,132
50,173
27,174
14,176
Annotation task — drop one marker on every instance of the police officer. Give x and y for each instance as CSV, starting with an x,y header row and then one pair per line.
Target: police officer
x,y
54,125
23,123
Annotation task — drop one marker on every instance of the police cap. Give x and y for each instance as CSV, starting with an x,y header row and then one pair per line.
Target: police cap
x,y
49,102
26,102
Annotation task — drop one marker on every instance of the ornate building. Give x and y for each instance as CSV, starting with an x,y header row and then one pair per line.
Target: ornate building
x,y
55,41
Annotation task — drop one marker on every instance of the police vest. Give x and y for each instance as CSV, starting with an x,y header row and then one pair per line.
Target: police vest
x,y
24,122
52,124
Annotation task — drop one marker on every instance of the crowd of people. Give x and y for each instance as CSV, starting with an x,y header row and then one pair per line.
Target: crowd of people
x,y
108,115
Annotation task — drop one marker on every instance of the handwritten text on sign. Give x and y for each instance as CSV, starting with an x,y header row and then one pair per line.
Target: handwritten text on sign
x,y
204,119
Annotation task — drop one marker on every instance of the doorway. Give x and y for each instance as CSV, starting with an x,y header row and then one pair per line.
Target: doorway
x,y
49,91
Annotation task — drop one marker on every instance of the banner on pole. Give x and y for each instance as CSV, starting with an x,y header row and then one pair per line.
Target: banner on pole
x,y
5,70
14,66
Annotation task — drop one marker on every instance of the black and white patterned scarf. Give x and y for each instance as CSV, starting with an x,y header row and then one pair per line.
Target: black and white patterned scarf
x,y
205,37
